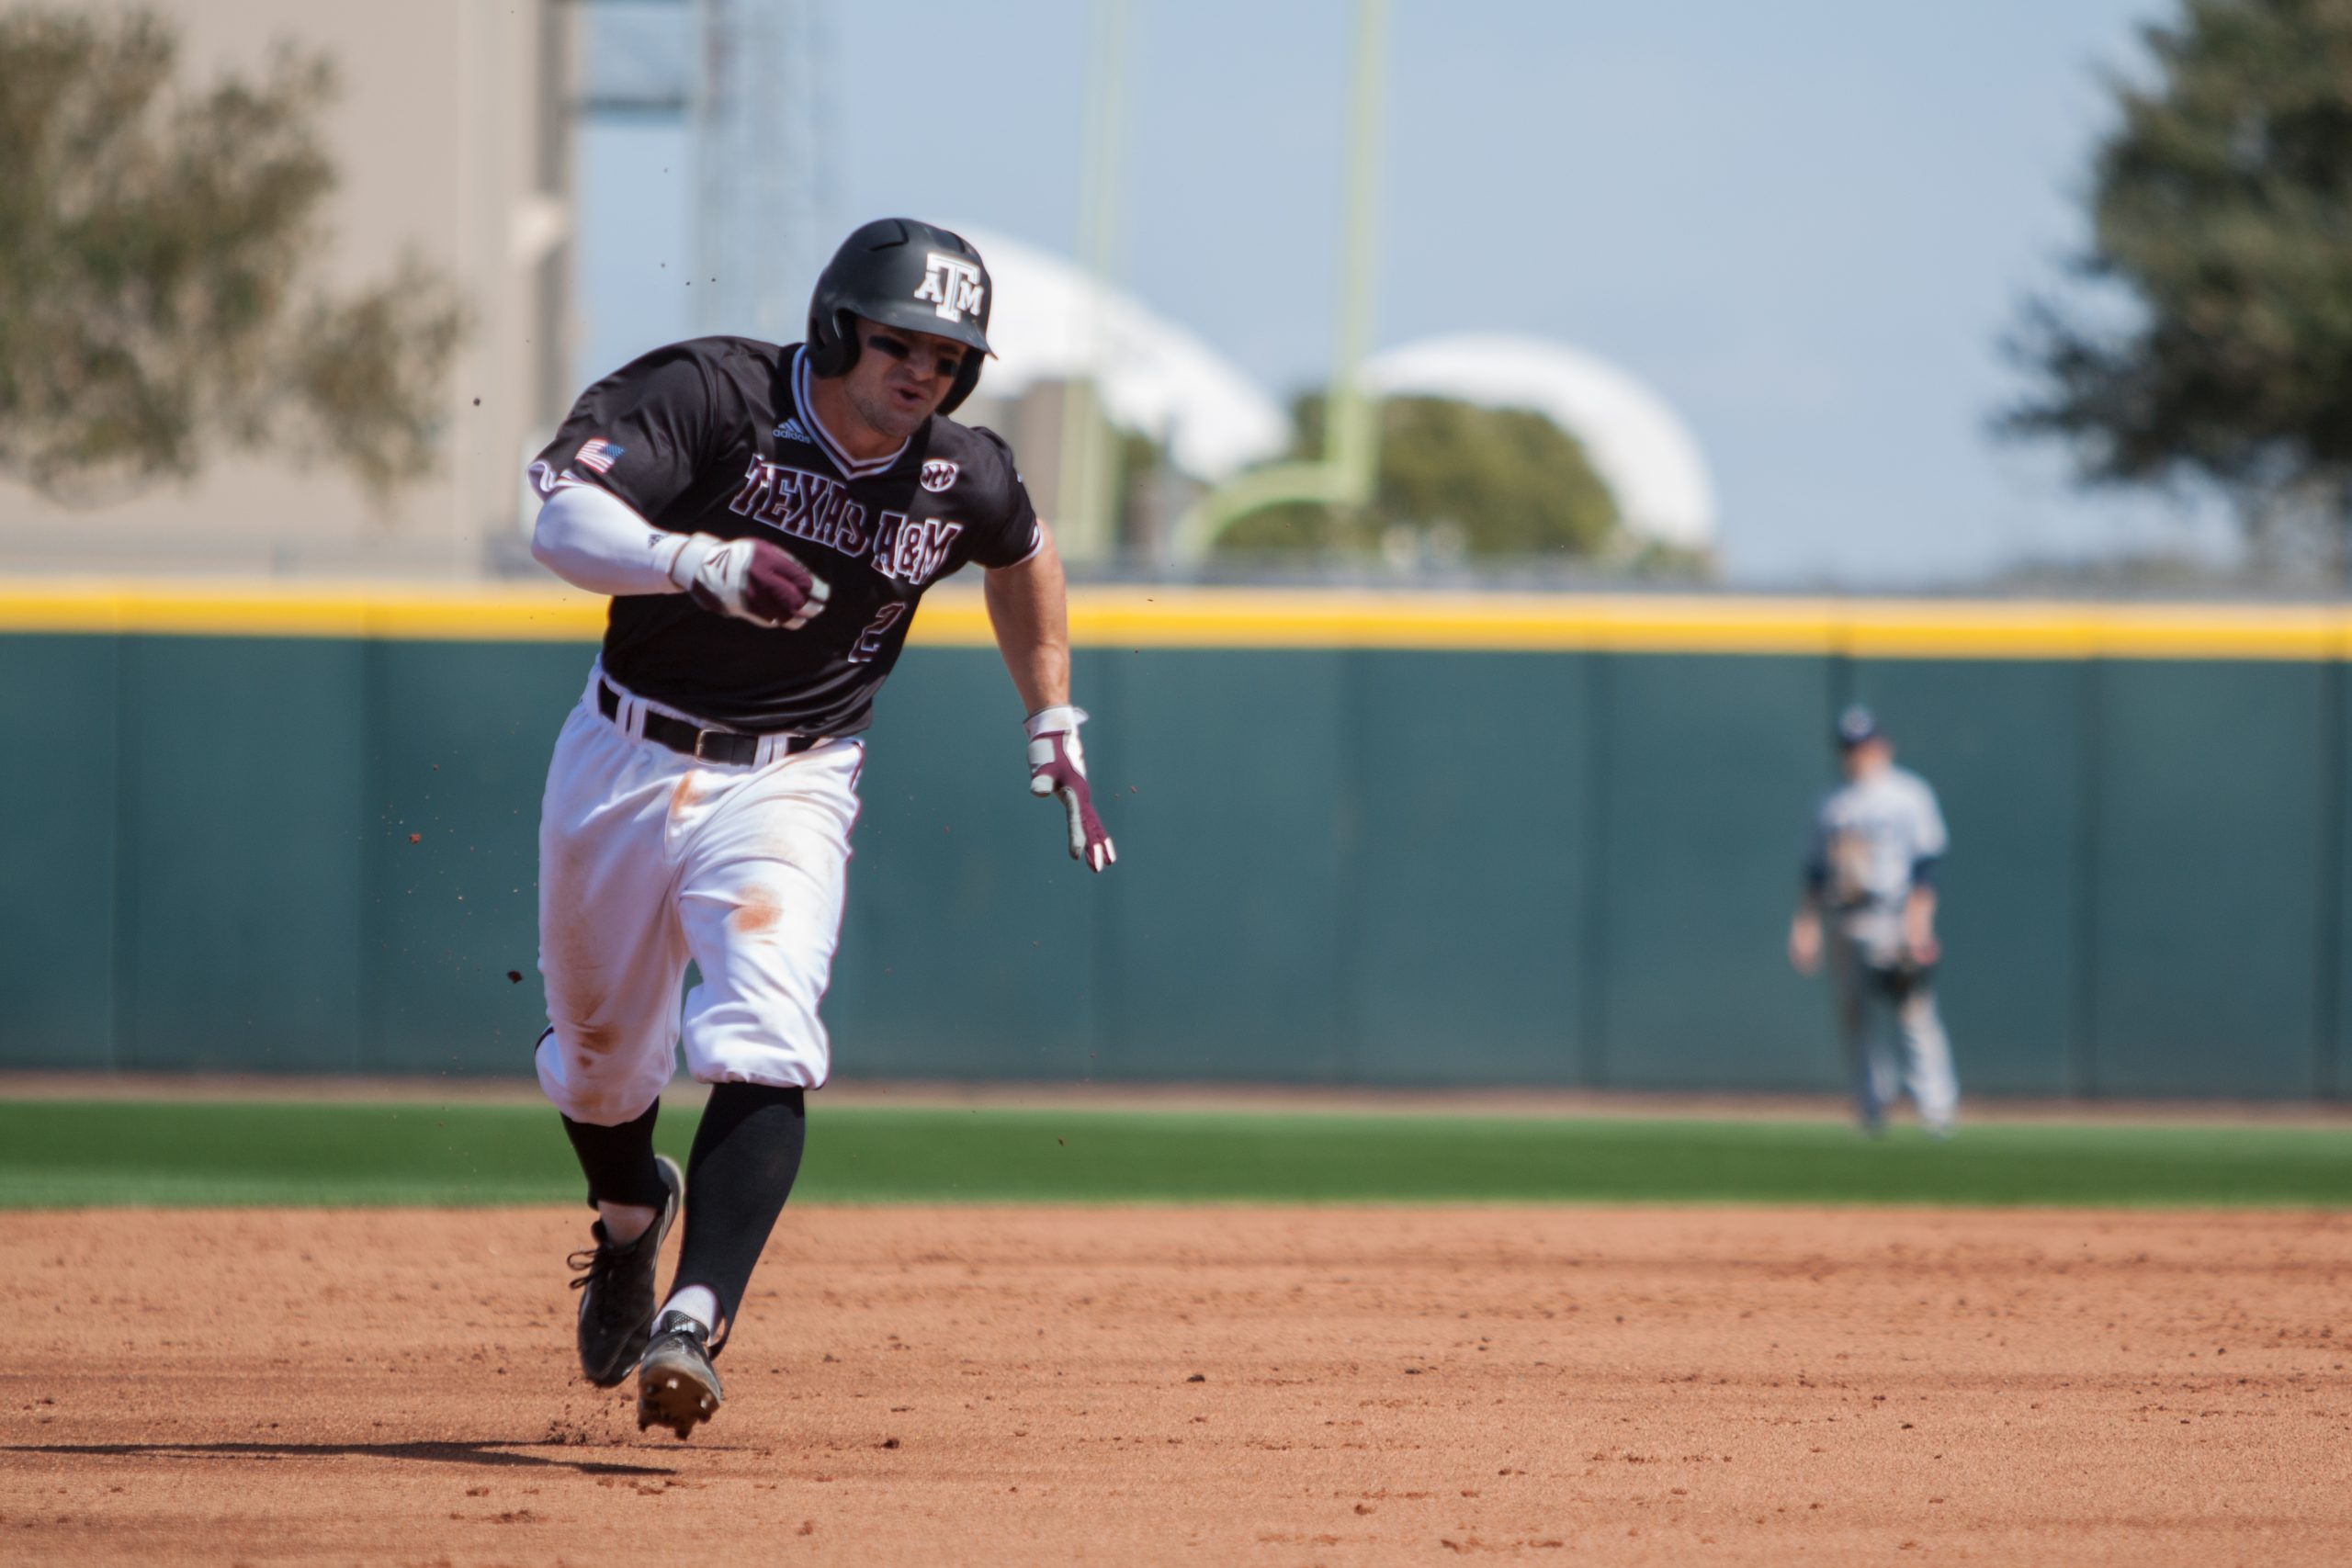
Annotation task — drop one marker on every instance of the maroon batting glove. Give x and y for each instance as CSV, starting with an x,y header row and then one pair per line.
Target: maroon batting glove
x,y
750,579
1057,766
778,588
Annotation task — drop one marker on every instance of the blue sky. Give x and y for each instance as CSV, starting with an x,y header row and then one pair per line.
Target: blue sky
x,y
1806,224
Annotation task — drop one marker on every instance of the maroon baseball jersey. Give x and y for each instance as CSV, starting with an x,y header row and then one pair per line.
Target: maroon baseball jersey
x,y
715,437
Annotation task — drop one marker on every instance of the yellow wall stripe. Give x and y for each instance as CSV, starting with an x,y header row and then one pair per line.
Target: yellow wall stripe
x,y
250,609
1262,617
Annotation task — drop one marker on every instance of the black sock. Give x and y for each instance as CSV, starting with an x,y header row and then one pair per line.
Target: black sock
x,y
747,1152
618,1161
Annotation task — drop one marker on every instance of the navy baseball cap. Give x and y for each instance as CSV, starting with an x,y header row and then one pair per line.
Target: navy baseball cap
x,y
1856,725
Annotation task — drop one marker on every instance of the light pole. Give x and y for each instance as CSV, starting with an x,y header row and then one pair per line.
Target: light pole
x,y
1087,482
1351,432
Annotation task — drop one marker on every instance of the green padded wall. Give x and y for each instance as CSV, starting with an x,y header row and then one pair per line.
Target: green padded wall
x,y
60,773
1466,821
1338,866
242,767
2333,1072
457,756
2208,824
968,950
1222,942
1709,769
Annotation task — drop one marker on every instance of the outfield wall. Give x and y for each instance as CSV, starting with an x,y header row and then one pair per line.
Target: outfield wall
x,y
1361,839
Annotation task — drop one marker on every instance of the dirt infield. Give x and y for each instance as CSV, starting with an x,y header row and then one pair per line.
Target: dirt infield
x,y
1335,1386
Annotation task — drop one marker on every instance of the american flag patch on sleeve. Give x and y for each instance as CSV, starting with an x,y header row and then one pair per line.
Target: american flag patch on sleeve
x,y
598,456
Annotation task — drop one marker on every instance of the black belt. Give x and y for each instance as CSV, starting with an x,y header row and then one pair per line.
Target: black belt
x,y
725,746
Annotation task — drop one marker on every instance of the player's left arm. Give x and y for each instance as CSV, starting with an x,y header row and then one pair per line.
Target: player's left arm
x,y
1029,608
1919,923
1929,839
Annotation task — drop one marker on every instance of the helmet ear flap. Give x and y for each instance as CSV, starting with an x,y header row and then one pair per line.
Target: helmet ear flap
x,y
832,343
966,380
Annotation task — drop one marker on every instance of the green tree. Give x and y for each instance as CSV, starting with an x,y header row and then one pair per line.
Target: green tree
x,y
1496,482
2214,340
156,249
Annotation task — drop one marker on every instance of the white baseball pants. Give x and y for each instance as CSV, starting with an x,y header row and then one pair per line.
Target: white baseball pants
x,y
648,858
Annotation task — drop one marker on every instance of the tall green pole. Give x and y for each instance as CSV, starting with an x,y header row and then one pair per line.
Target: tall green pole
x,y
1351,433
1087,479
1354,439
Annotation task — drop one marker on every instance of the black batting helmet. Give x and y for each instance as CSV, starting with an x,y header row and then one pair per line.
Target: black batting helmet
x,y
909,274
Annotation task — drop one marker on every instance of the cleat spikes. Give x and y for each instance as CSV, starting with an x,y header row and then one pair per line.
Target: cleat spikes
x,y
677,1385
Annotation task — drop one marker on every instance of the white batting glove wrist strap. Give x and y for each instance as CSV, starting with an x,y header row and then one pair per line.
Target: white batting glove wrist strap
x,y
1041,754
695,551
1048,721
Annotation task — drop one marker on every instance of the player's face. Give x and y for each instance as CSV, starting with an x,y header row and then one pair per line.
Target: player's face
x,y
1868,758
901,377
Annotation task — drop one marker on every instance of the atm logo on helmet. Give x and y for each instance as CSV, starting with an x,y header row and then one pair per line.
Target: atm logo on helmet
x,y
951,285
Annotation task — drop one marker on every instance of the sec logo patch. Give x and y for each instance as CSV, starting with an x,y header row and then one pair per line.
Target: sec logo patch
x,y
938,474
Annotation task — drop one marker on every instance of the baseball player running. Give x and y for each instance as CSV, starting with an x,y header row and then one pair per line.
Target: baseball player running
x,y
1876,841
765,519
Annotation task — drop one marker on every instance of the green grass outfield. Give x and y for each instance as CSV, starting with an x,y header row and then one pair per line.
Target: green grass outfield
x,y
62,1154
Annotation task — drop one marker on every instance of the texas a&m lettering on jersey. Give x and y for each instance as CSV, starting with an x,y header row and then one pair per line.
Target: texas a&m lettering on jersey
x,y
717,436
804,505
913,549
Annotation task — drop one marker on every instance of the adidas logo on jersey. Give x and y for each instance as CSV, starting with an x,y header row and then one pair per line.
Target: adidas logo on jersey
x,y
938,474
790,431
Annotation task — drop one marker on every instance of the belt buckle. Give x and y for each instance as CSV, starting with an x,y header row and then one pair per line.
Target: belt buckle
x,y
701,735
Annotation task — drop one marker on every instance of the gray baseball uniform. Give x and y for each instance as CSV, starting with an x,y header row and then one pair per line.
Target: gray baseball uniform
x,y
1874,839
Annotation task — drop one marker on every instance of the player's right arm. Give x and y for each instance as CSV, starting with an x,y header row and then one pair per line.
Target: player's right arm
x,y
1805,933
593,539
1804,926
634,443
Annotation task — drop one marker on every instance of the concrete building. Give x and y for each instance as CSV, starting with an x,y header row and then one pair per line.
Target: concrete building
x,y
451,139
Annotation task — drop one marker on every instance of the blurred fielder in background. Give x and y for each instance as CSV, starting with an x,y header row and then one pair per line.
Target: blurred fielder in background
x,y
1870,876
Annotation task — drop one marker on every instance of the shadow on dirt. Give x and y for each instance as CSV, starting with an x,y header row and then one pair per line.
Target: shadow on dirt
x,y
491,1453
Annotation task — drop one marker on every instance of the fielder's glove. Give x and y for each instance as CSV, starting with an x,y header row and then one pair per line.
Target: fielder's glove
x,y
750,579
1057,766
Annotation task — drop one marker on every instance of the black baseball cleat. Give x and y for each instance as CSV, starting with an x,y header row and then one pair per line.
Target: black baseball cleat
x,y
677,1385
615,1286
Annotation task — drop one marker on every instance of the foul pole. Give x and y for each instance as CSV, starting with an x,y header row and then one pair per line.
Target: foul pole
x,y
1351,433
1085,486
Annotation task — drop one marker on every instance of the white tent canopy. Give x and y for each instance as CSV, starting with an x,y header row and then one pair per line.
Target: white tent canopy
x,y
1641,449
1052,322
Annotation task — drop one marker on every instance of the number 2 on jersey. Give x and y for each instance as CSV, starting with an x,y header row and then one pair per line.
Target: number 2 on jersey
x,y
869,641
